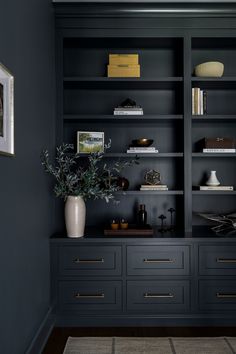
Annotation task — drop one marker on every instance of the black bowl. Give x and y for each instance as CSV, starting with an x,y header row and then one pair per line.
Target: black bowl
x,y
142,142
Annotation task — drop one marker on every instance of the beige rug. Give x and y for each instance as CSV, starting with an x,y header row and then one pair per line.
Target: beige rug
x,y
159,345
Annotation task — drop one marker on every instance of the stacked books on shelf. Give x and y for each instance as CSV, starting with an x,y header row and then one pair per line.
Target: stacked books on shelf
x,y
199,101
142,150
128,110
123,65
217,145
128,107
153,187
216,188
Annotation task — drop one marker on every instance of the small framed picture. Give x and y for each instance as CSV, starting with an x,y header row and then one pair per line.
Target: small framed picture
x,y
90,142
6,112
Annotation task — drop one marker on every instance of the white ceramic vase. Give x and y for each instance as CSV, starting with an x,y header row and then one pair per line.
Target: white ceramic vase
x,y
75,213
213,180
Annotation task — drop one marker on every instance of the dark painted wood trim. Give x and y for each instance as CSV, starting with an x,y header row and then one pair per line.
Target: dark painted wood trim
x,y
42,335
72,9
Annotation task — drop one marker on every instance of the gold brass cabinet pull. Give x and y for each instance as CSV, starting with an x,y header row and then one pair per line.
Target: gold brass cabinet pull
x,y
149,295
164,260
225,260
89,296
98,260
226,295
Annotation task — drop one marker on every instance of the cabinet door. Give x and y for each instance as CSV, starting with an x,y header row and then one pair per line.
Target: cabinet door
x,y
158,260
90,296
90,260
158,296
217,260
217,295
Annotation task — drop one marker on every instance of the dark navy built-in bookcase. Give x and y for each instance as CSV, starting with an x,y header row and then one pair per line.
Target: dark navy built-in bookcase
x,y
185,277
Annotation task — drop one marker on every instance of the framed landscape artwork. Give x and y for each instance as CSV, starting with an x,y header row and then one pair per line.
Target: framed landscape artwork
x,y
90,142
6,112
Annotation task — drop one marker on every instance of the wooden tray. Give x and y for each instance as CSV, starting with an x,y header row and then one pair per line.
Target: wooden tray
x,y
131,231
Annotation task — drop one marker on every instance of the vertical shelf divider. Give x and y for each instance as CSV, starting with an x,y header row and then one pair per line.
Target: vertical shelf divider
x,y
187,107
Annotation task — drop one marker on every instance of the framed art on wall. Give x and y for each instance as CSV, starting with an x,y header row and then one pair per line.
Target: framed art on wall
x,y
90,142
6,111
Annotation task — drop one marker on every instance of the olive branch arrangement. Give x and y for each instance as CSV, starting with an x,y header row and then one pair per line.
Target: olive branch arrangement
x,y
92,180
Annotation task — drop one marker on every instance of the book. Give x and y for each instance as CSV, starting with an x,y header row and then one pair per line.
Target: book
x,y
149,148
199,101
128,112
153,186
128,108
142,151
216,188
218,150
153,189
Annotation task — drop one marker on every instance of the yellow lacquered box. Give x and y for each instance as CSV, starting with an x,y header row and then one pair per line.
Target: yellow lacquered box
x,y
123,70
123,59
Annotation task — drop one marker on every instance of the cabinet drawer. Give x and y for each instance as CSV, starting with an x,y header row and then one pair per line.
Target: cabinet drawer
x,y
158,296
217,260
217,295
158,260
87,296
90,260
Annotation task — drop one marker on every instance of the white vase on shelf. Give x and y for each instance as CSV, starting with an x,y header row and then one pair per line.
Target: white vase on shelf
x,y
75,212
213,180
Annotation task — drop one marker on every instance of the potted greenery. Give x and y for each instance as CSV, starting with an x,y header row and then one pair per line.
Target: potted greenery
x,y
77,183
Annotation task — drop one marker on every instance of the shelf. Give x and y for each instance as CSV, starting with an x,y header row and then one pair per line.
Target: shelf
x,y
122,118
137,192
214,79
122,79
214,117
214,192
201,154
158,155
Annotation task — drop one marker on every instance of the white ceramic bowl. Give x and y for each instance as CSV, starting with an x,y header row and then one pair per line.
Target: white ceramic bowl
x,y
210,69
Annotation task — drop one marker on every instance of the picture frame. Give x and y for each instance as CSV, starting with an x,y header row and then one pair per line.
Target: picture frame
x,y
90,142
6,112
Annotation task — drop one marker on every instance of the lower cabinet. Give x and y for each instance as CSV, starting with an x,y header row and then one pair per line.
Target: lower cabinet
x,y
123,282
158,296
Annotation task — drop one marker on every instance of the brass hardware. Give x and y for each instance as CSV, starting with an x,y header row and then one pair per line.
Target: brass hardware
x,y
164,260
148,295
225,295
123,65
225,260
89,296
98,260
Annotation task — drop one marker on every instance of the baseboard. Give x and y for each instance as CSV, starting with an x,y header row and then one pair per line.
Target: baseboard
x,y
42,334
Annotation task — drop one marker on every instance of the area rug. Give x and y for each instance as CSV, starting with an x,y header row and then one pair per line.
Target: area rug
x,y
159,345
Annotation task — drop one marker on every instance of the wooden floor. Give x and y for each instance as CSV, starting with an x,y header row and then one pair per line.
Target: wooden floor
x,y
58,337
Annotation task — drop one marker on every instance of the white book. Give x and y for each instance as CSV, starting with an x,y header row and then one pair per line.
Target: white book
x,y
127,113
193,106
150,148
153,186
216,188
128,109
142,152
201,102
219,150
154,189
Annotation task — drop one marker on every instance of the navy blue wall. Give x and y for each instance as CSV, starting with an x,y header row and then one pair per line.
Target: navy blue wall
x,y
27,49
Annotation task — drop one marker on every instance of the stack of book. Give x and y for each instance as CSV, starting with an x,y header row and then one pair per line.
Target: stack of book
x,y
142,150
128,110
217,145
154,187
199,101
216,188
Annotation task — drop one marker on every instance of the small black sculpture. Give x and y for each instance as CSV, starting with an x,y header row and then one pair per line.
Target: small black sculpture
x,y
128,103
162,217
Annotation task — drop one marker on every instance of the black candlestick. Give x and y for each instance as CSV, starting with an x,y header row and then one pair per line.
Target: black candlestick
x,y
162,217
171,211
